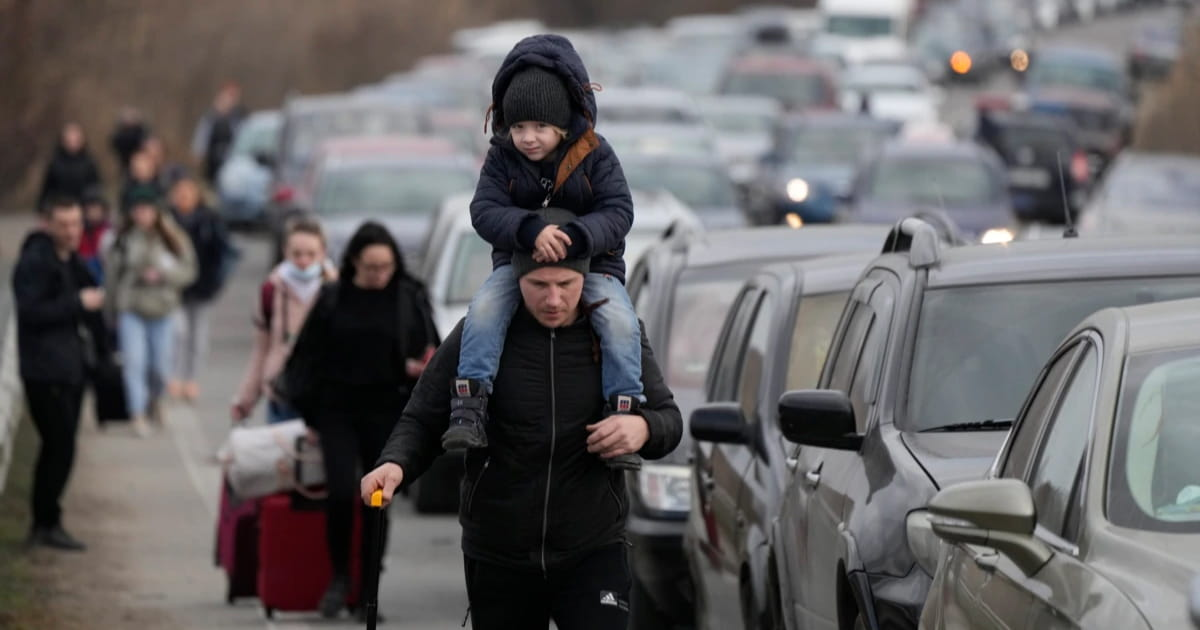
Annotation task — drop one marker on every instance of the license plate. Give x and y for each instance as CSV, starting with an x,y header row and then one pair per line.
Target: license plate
x,y
1029,177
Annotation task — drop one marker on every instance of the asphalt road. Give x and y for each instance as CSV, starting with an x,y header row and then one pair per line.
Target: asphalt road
x,y
423,585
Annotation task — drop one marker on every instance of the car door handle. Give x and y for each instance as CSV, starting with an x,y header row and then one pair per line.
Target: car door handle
x,y
707,482
792,463
987,561
813,477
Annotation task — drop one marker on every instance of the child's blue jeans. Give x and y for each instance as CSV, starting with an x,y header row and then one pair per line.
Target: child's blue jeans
x,y
615,323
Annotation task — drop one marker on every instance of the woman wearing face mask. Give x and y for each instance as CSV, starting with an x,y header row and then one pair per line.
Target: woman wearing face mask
x,y
283,305
148,266
362,349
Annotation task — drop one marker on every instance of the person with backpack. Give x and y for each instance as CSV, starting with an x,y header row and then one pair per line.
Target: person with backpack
x,y
217,130
363,347
147,268
215,260
283,303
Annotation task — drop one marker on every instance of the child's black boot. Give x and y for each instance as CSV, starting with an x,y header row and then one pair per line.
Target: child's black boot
x,y
623,405
468,414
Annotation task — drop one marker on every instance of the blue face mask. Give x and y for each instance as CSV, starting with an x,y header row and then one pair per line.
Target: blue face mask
x,y
302,274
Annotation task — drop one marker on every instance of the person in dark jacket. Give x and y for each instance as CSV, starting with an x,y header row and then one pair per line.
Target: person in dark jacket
x,y
216,131
144,180
72,171
210,241
363,346
97,233
128,136
56,300
543,519
545,153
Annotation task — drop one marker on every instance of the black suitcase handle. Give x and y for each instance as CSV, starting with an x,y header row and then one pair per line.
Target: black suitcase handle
x,y
376,560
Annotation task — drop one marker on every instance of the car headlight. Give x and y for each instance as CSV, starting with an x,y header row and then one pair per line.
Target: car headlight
x,y
665,487
997,236
924,545
797,190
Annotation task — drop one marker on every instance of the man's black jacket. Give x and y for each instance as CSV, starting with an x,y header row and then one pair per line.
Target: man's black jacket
x,y
535,498
50,317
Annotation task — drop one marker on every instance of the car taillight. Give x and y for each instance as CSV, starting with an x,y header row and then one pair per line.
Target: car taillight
x,y
283,194
1080,171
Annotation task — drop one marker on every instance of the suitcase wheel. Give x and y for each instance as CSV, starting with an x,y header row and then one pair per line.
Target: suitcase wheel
x,y
270,613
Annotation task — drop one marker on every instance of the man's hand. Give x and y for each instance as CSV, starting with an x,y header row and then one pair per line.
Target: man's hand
x,y
92,299
618,435
551,245
387,478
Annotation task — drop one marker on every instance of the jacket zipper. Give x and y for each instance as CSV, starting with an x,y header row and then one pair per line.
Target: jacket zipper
x,y
549,464
475,487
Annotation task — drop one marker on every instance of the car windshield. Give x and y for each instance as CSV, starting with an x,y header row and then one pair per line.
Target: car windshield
x,y
308,130
388,189
837,144
733,121
652,142
470,266
979,348
1154,482
858,25
794,90
1156,186
257,136
1064,73
647,113
699,186
702,300
952,180
887,79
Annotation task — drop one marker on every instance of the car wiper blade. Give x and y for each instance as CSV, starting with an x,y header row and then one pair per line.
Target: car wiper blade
x,y
982,425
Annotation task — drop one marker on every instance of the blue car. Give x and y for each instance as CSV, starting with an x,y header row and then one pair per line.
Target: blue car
x,y
244,181
811,165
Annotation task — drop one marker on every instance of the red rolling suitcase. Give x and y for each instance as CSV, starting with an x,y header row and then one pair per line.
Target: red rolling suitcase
x,y
293,564
237,544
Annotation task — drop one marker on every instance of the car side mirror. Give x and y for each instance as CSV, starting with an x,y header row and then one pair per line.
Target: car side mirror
x,y
997,513
720,422
819,417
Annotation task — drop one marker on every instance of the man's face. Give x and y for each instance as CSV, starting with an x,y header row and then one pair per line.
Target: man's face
x,y
552,295
65,226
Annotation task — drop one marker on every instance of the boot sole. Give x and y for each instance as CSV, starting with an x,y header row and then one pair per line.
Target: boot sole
x,y
462,439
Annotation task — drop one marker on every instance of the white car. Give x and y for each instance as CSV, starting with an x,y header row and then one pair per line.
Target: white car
x,y
896,91
457,260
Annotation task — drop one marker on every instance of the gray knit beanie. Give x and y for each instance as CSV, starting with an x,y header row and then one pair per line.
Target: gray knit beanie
x,y
523,262
536,94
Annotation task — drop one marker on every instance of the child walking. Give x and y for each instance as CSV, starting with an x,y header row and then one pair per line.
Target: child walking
x,y
545,153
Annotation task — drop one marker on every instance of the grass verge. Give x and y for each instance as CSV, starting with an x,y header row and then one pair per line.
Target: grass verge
x,y
23,605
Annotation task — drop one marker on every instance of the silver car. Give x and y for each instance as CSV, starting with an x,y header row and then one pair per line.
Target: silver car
x,y
1090,517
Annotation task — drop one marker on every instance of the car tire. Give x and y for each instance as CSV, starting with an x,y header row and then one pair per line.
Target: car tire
x,y
643,614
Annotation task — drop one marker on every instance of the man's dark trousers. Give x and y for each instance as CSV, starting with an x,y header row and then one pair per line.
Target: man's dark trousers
x,y
592,594
55,411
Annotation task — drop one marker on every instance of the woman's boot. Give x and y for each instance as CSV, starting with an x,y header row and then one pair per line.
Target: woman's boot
x,y
334,599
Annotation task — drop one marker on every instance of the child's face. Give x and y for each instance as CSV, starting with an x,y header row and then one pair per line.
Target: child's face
x,y
535,140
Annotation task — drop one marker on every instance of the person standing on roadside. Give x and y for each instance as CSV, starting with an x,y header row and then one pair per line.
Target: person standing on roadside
x,y
60,335
216,131
363,347
148,266
210,242
72,171
128,136
282,306
543,517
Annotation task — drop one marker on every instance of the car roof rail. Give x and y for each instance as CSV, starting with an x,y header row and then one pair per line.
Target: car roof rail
x,y
922,236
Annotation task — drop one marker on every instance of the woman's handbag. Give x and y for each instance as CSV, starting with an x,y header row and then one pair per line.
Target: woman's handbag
x,y
265,460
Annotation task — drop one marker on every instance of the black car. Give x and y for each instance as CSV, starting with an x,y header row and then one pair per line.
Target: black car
x,y
930,362
682,290
774,339
811,165
1046,162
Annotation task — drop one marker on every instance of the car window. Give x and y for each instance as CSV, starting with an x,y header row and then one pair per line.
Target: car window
x,y
1162,185
1061,453
638,291
816,321
471,265
754,359
853,336
795,90
949,180
388,189
725,372
1154,482
870,361
1027,430
835,144
697,185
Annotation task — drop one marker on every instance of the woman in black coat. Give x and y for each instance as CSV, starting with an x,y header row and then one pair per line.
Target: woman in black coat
x,y
362,348
72,171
